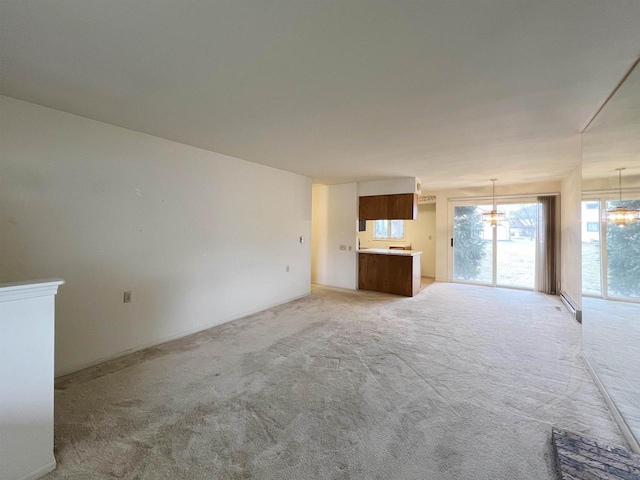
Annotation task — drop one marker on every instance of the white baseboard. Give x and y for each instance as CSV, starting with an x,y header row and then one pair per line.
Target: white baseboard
x,y
571,304
174,337
626,431
335,286
49,467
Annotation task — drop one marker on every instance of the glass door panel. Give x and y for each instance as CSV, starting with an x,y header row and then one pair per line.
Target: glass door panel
x,y
516,245
472,245
591,266
623,256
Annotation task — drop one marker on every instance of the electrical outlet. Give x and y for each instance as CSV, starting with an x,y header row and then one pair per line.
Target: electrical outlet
x,y
127,297
287,268
350,247
301,239
343,247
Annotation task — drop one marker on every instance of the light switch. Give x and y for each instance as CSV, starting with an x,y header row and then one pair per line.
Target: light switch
x,y
301,239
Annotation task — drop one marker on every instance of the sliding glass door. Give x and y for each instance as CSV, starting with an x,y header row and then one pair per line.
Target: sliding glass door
x,y
610,253
591,248
504,255
623,256
516,242
473,245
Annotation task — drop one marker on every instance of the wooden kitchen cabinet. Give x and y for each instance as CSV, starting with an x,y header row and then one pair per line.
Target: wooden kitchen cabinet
x,y
389,207
373,208
396,272
403,207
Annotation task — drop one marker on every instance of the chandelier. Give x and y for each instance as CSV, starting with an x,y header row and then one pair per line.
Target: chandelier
x,y
621,215
494,217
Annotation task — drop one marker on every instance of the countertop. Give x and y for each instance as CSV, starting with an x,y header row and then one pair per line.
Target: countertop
x,y
385,251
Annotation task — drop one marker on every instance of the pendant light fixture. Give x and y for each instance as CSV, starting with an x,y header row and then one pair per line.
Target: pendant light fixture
x,y
621,215
494,217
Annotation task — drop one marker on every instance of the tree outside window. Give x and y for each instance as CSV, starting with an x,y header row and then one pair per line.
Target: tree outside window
x,y
469,245
623,255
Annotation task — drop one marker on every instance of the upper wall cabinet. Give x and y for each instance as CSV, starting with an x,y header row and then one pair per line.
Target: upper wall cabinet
x,y
389,207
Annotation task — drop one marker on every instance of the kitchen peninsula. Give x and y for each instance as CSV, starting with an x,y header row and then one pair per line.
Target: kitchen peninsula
x,y
389,271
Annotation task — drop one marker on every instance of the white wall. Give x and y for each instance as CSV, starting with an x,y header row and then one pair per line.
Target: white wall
x,y
426,238
389,187
630,185
420,233
443,227
335,217
570,241
198,237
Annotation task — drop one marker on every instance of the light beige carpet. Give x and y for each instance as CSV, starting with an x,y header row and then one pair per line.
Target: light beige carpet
x,y
459,382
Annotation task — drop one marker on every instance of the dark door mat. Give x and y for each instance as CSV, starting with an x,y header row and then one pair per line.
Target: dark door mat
x,y
584,458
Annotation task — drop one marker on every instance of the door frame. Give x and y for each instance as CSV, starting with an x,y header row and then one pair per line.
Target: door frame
x,y
455,202
602,196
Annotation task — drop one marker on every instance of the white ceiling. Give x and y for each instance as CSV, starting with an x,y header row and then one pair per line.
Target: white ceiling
x,y
454,92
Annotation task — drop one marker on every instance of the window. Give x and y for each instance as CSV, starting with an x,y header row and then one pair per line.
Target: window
x,y
592,206
388,230
592,226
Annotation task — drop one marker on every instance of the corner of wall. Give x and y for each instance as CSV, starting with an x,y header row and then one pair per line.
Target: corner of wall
x,y
570,237
334,224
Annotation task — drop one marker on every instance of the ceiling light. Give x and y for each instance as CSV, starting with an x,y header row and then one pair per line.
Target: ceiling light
x,y
621,215
494,217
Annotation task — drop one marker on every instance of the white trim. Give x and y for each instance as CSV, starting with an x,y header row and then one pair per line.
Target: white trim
x,y
451,206
29,289
613,192
49,467
508,287
494,253
532,196
173,337
604,259
610,96
570,303
516,287
626,431
612,299
388,239
468,201
326,285
592,295
604,251
475,284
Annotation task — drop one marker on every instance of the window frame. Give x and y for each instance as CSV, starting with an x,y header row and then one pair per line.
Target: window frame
x,y
388,239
